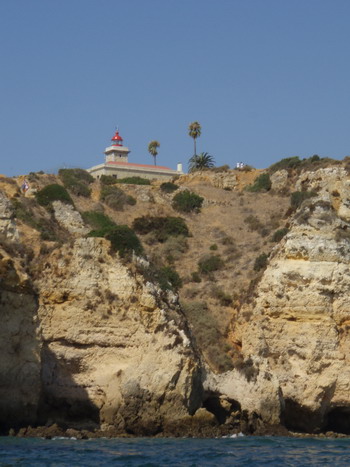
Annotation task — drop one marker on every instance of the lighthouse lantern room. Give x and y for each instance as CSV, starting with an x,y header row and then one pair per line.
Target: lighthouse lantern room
x,y
116,152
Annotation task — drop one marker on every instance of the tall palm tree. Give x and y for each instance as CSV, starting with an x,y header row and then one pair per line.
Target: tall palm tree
x,y
152,149
194,130
200,162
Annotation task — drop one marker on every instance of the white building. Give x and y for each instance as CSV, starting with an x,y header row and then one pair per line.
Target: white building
x,y
116,164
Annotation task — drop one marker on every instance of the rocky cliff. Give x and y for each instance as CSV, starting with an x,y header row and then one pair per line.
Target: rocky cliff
x,y
296,329
88,340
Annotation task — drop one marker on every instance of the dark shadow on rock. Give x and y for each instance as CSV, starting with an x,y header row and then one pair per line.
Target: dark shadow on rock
x,y
338,420
296,417
62,399
20,355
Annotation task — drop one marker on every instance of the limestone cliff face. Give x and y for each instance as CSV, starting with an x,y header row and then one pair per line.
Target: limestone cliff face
x,y
111,345
297,328
85,339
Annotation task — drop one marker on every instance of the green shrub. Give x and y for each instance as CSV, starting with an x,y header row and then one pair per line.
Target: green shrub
x,y
261,183
168,187
108,180
51,193
168,278
134,181
297,198
115,198
279,234
213,247
260,262
210,263
100,223
186,201
124,241
286,163
162,227
77,181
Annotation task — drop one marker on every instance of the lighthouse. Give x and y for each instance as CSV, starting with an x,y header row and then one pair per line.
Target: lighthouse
x,y
116,152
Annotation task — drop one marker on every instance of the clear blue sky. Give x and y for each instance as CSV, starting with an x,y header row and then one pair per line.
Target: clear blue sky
x,y
265,78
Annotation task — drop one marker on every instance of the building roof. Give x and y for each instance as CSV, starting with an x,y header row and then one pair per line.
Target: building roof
x,y
130,164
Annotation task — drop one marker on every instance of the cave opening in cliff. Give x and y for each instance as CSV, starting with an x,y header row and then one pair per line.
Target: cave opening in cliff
x,y
338,420
297,417
221,407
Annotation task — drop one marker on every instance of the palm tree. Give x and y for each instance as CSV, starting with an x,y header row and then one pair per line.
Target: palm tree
x,y
152,149
194,130
200,162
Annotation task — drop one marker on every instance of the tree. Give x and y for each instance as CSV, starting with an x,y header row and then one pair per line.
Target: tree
x,y
200,162
152,149
194,130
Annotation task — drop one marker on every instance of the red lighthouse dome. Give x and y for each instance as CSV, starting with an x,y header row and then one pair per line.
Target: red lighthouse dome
x,y
117,140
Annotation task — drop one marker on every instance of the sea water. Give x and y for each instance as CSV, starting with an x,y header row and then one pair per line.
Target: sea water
x,y
148,452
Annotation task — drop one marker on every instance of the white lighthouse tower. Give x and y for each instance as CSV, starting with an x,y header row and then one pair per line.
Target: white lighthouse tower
x,y
116,152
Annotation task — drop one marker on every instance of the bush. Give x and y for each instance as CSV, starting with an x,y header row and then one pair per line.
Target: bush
x,y
213,247
168,278
124,241
210,263
134,181
77,181
260,262
100,223
261,183
162,227
297,198
115,198
108,180
286,163
279,234
168,187
50,193
186,201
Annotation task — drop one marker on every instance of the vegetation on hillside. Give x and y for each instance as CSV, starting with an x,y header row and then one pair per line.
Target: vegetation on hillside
x,y
297,198
295,163
168,187
187,201
77,181
115,198
124,241
201,161
161,227
100,223
51,193
133,181
261,183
